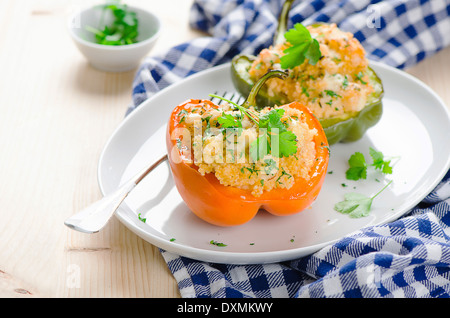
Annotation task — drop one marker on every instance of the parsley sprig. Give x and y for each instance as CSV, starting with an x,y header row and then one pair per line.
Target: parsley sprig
x,y
229,121
358,166
271,130
379,162
302,46
271,127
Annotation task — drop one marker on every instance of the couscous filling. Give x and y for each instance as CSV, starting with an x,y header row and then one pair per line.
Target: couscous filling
x,y
223,141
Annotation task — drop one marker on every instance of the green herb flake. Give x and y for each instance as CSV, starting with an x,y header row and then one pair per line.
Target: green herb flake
x,y
141,218
359,77
345,82
332,93
212,242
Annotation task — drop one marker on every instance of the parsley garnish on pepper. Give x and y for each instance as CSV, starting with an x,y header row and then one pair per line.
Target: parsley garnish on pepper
x,y
229,121
270,126
303,46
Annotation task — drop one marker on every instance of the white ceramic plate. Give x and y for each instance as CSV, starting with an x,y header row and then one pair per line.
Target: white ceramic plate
x,y
415,126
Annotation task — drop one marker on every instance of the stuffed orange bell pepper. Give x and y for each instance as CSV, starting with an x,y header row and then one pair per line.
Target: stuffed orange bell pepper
x,y
229,161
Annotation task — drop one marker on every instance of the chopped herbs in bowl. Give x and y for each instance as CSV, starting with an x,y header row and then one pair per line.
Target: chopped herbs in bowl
x,y
114,37
122,28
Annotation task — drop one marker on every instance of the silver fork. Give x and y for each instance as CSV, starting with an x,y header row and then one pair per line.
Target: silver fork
x,y
94,217
234,97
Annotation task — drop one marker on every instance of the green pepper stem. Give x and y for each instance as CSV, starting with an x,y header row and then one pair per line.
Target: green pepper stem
x,y
283,20
251,98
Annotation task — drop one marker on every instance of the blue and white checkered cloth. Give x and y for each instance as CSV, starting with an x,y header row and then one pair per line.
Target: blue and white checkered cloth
x,y
406,258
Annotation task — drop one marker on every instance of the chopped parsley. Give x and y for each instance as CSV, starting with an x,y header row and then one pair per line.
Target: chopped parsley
x,y
345,82
123,30
359,77
141,218
271,165
212,242
332,93
283,173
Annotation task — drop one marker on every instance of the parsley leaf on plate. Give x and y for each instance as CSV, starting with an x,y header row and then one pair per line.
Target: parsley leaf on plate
x,y
357,205
379,162
303,46
358,167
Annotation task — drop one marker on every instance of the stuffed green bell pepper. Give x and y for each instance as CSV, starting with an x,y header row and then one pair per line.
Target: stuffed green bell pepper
x,y
340,88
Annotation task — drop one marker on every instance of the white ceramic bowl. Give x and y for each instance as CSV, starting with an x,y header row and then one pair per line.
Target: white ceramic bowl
x,y
113,58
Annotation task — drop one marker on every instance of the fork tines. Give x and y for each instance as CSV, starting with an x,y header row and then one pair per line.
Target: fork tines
x,y
233,96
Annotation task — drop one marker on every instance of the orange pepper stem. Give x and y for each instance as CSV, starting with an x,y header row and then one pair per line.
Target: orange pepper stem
x,y
251,98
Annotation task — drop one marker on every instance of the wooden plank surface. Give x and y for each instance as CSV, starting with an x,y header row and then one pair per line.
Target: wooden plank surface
x,y
57,112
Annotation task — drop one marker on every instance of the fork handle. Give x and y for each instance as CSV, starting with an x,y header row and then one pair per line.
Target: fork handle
x,y
94,217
